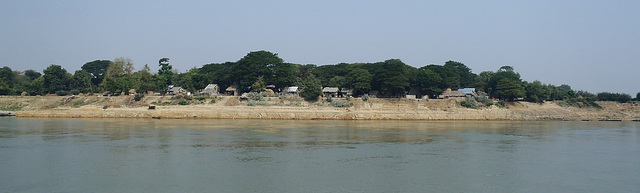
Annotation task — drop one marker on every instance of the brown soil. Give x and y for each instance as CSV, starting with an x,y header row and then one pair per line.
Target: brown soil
x,y
228,107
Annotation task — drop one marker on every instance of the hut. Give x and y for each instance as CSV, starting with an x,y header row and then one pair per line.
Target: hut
x,y
469,91
449,93
231,90
330,91
210,90
176,90
292,90
346,92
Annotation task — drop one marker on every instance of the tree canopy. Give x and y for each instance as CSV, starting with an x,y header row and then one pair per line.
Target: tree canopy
x,y
258,69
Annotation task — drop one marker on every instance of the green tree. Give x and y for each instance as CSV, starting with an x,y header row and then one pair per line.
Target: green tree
x,y
259,85
338,81
467,78
428,83
311,88
504,72
482,80
56,79
638,96
537,92
253,65
4,87
32,74
394,79
6,80
143,80
360,81
36,87
118,76
509,89
120,67
449,74
82,81
283,75
165,74
218,73
97,69
6,75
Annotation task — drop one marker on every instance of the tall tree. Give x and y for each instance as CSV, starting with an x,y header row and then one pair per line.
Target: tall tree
x,y
509,89
32,74
283,75
56,79
82,81
394,80
118,76
253,65
6,80
97,69
482,80
165,74
360,81
143,80
311,88
428,82
502,73
467,78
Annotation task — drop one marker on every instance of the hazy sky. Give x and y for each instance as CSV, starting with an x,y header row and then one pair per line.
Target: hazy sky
x,y
590,45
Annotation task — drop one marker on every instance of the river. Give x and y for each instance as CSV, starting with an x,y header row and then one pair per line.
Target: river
x,y
147,155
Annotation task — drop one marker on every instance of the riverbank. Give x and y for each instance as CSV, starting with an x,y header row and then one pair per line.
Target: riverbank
x,y
228,107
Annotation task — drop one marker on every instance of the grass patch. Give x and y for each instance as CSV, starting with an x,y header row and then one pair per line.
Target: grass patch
x,y
77,103
341,104
11,107
257,103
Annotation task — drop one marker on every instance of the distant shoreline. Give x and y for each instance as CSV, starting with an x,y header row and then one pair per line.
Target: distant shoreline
x,y
229,107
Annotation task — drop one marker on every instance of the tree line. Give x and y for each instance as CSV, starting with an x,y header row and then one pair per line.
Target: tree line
x,y
390,78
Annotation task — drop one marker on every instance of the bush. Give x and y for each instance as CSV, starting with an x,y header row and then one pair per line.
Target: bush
x,y
138,96
329,98
200,98
256,96
501,104
213,100
341,104
488,103
257,103
75,92
183,102
365,97
77,103
467,104
62,93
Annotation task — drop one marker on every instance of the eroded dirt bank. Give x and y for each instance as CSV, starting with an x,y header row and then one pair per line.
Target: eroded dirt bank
x,y
293,108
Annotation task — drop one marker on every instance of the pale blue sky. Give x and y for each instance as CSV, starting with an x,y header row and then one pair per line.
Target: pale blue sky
x,y
590,45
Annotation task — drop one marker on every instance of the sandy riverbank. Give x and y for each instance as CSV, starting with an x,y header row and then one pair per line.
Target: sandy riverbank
x,y
293,108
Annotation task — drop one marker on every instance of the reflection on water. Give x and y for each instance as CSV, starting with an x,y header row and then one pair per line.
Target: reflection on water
x,y
142,155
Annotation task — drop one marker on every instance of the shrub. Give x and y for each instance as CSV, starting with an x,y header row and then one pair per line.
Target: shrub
x,y
329,98
488,103
75,92
77,103
365,97
183,102
138,96
257,103
213,100
62,93
467,104
255,96
341,104
200,98
501,104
